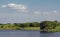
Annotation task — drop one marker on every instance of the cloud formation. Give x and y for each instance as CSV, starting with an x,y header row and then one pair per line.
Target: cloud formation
x,y
3,6
18,7
46,12
30,16
37,12
54,11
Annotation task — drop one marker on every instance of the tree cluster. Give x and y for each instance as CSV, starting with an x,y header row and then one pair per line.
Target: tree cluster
x,y
49,25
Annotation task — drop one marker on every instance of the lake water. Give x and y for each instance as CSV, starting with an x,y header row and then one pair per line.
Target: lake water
x,y
25,33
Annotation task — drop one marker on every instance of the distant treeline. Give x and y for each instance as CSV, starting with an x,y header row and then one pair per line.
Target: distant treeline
x,y
18,25
33,24
44,25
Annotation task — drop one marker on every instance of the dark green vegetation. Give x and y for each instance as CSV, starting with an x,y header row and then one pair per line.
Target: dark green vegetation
x,y
20,26
49,26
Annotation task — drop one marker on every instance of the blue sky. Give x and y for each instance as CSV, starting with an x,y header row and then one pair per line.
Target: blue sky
x,y
17,11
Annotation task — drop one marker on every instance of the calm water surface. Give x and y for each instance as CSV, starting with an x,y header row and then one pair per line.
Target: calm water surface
x,y
24,33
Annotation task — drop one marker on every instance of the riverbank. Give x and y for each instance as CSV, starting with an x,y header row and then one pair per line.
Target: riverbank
x,y
20,26
25,28
31,28
49,26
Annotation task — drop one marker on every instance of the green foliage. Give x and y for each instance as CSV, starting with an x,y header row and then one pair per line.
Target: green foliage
x,y
49,25
19,26
2,26
34,24
44,25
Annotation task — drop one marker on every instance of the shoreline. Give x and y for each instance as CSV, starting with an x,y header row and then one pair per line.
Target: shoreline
x,y
26,28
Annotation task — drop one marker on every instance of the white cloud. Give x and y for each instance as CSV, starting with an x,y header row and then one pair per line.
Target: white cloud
x,y
43,13
3,6
37,12
55,11
18,7
47,13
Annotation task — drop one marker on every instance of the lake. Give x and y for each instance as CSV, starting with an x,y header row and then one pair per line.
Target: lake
x,y
27,33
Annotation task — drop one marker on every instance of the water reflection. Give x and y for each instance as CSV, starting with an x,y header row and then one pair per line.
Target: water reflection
x,y
49,34
23,33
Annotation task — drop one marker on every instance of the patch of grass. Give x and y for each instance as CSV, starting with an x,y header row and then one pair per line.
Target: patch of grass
x,y
31,28
57,29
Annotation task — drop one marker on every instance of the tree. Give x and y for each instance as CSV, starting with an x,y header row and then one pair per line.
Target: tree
x,y
43,25
2,26
48,25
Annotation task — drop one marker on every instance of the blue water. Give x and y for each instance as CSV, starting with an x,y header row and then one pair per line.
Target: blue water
x,y
25,33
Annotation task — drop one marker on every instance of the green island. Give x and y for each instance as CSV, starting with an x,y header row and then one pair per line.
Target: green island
x,y
49,26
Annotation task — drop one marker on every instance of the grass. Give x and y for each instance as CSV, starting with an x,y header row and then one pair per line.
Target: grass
x,y
12,27
31,28
57,29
